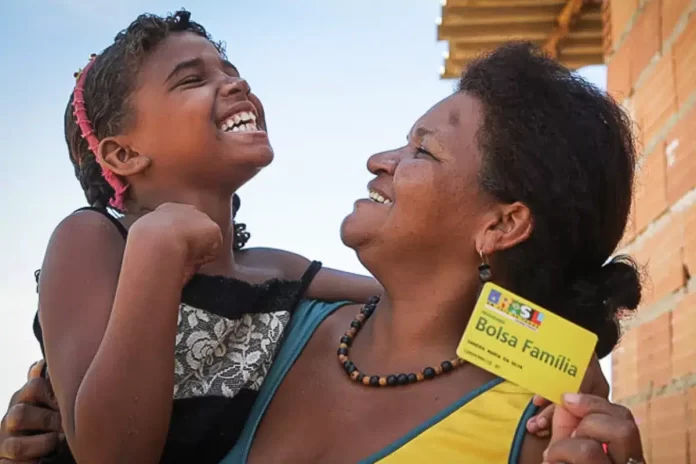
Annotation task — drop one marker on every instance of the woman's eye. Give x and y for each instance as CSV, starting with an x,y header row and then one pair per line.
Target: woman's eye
x,y
423,151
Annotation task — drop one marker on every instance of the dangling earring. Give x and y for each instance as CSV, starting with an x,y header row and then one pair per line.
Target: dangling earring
x,y
484,270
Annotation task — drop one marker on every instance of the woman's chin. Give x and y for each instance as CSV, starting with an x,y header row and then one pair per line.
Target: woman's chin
x,y
356,231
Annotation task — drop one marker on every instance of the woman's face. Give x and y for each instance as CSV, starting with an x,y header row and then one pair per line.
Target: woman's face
x,y
195,117
425,197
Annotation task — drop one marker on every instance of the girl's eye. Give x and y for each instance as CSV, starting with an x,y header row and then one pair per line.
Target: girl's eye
x,y
191,80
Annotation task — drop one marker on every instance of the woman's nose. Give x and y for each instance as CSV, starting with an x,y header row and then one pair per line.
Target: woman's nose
x,y
383,163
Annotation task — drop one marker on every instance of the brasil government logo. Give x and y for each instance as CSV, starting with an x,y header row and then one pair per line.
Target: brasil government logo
x,y
513,309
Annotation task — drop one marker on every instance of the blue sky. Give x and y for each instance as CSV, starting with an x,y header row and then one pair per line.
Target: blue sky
x,y
339,80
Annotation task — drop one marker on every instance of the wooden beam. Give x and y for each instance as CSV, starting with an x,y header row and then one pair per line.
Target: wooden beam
x,y
571,11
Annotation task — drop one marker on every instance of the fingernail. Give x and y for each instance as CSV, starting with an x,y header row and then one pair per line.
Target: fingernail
x,y
572,398
542,422
543,433
545,455
572,435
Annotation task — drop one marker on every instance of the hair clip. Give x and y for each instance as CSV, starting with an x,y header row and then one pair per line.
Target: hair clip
x,y
78,73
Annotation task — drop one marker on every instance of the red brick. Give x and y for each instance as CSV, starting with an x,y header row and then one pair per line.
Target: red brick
x,y
689,218
656,99
672,10
681,157
621,12
683,336
645,39
684,52
651,191
662,256
641,415
668,429
629,107
655,353
630,232
624,366
619,79
691,400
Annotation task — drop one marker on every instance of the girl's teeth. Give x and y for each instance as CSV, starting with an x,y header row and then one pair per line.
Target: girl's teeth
x,y
240,122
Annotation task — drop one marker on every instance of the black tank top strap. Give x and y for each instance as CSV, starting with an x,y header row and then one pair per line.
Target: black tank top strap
x,y
121,228
308,277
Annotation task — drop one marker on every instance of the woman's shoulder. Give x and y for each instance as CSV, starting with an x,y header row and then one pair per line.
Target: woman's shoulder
x,y
311,313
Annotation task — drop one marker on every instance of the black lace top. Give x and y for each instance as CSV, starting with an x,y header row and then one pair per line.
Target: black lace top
x,y
228,334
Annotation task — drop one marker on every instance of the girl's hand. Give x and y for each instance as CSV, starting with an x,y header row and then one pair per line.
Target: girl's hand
x,y
594,383
186,229
583,423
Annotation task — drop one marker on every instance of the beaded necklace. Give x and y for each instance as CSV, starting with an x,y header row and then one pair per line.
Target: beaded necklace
x,y
392,380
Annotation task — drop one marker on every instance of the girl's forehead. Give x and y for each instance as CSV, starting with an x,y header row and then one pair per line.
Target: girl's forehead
x,y
179,50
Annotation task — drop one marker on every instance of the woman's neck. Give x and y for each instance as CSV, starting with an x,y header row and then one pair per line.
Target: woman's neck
x,y
417,326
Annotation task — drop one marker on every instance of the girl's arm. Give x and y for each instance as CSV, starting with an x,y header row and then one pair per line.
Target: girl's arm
x,y
109,317
328,285
333,285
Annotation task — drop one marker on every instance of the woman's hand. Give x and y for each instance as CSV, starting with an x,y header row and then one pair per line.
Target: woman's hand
x,y
32,410
583,423
594,383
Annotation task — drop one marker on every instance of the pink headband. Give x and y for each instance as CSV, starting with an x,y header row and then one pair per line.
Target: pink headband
x,y
80,112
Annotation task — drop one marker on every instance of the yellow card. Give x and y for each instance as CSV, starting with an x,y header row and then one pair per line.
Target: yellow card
x,y
525,344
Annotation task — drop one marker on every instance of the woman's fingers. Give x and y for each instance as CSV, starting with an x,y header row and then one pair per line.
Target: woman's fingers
x,y
27,448
25,418
619,433
539,424
577,451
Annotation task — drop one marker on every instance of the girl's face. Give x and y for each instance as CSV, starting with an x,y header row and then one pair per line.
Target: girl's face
x,y
196,119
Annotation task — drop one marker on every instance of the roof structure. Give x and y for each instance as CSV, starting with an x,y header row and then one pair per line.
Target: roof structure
x,y
569,30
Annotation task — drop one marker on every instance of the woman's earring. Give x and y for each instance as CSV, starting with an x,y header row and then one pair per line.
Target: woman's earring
x,y
484,270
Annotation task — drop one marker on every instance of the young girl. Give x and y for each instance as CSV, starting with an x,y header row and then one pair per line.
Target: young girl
x,y
162,128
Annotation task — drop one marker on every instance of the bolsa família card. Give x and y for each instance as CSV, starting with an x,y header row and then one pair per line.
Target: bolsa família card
x,y
525,344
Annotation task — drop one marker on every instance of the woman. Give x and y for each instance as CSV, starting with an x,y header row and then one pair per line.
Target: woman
x,y
526,168
507,170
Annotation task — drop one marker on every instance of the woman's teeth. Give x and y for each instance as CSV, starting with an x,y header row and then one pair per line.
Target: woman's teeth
x,y
378,198
240,122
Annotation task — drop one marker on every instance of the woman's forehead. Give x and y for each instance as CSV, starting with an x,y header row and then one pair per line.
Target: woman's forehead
x,y
457,116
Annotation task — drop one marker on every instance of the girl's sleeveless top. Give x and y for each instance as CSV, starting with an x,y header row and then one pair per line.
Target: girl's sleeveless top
x,y
228,334
485,426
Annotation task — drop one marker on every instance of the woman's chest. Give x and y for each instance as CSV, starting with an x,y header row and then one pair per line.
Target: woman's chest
x,y
319,415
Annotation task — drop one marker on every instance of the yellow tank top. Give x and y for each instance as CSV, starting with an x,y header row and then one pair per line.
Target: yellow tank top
x,y
486,426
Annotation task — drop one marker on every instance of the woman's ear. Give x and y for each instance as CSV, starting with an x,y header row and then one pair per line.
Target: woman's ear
x,y
119,158
509,225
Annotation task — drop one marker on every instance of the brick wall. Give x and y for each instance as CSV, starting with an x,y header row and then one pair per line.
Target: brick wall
x,y
650,48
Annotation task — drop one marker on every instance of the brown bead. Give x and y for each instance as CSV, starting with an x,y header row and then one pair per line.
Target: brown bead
x,y
366,380
342,358
351,332
354,375
343,345
420,376
438,370
360,317
382,381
